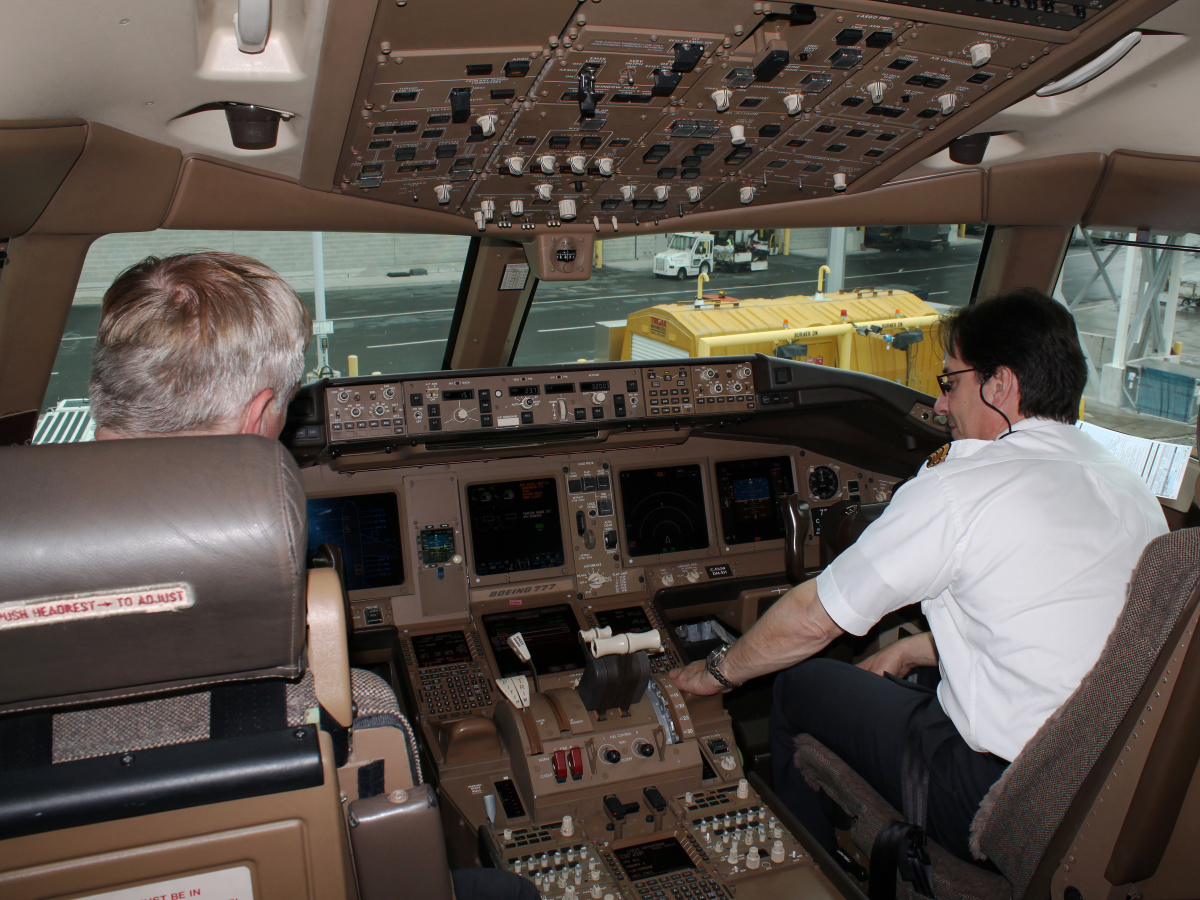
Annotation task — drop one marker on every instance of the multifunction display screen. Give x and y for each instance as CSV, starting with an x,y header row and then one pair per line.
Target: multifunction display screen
x,y
442,649
750,492
626,620
515,526
550,632
664,510
366,528
653,858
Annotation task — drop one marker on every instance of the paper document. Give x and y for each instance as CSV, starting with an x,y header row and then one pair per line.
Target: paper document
x,y
1160,464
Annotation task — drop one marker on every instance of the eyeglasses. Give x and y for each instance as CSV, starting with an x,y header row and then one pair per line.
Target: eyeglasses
x,y
941,379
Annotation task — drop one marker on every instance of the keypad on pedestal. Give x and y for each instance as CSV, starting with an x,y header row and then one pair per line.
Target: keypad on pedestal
x,y
454,691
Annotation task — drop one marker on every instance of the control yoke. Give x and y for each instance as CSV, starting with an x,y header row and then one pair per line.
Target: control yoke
x,y
797,523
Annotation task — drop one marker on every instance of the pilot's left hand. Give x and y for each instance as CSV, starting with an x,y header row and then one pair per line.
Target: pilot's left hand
x,y
694,679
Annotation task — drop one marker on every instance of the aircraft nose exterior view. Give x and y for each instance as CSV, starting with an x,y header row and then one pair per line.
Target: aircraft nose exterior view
x,y
567,449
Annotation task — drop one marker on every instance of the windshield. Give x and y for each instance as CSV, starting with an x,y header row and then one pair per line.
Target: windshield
x,y
572,321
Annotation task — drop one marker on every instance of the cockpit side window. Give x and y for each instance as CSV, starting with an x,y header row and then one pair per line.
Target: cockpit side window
x,y
379,302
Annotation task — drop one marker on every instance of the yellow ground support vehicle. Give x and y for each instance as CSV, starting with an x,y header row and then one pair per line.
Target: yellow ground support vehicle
x,y
889,333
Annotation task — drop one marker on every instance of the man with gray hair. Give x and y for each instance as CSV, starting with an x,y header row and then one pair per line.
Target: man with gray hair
x,y
197,343
213,343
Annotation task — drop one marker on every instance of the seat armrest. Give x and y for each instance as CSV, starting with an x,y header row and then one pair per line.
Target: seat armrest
x,y
328,656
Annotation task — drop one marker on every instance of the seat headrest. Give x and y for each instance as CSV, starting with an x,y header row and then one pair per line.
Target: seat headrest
x,y
130,567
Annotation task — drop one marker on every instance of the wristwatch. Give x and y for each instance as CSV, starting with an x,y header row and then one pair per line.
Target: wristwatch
x,y
712,666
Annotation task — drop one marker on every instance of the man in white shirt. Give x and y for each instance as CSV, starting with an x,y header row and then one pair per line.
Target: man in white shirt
x,y
1018,541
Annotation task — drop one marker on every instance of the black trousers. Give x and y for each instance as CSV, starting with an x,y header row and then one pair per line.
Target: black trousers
x,y
492,884
864,719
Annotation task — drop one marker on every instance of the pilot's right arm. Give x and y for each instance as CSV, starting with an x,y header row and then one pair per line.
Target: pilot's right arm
x,y
792,630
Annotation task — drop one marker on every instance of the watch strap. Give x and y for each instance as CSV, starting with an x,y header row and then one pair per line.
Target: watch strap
x,y
712,666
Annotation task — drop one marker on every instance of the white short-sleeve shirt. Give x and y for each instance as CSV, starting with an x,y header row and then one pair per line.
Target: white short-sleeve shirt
x,y
1020,551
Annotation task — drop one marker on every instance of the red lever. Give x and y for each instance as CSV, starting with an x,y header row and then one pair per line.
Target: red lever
x,y
560,766
575,761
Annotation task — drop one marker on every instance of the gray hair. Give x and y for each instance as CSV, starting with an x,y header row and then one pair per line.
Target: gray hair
x,y
185,342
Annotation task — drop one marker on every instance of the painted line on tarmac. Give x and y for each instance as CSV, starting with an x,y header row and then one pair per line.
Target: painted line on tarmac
x,y
743,287
572,328
392,315
441,340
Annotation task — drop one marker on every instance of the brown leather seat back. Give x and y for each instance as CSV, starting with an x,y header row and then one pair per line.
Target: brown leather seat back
x,y
128,563
155,730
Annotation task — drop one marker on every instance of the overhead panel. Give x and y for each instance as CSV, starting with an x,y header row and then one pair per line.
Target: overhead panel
x,y
624,112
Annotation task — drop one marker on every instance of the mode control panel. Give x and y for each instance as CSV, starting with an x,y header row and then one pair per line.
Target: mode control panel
x,y
669,390
355,412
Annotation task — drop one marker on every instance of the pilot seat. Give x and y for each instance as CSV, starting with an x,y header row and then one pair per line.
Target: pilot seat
x,y
178,717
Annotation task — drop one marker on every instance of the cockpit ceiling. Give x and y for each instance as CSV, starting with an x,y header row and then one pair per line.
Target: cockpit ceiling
x,y
622,112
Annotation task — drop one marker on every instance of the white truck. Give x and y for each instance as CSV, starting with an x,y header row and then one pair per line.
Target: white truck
x,y
689,253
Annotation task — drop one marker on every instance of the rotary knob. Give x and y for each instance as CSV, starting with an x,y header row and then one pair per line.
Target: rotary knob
x,y
598,397
460,414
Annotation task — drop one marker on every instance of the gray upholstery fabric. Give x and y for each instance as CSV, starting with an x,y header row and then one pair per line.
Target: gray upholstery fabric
x,y
183,718
953,879
104,731
1021,813
372,695
222,517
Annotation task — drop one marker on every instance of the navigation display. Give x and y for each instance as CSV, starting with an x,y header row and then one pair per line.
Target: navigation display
x,y
515,526
664,510
550,633
750,493
366,528
653,858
